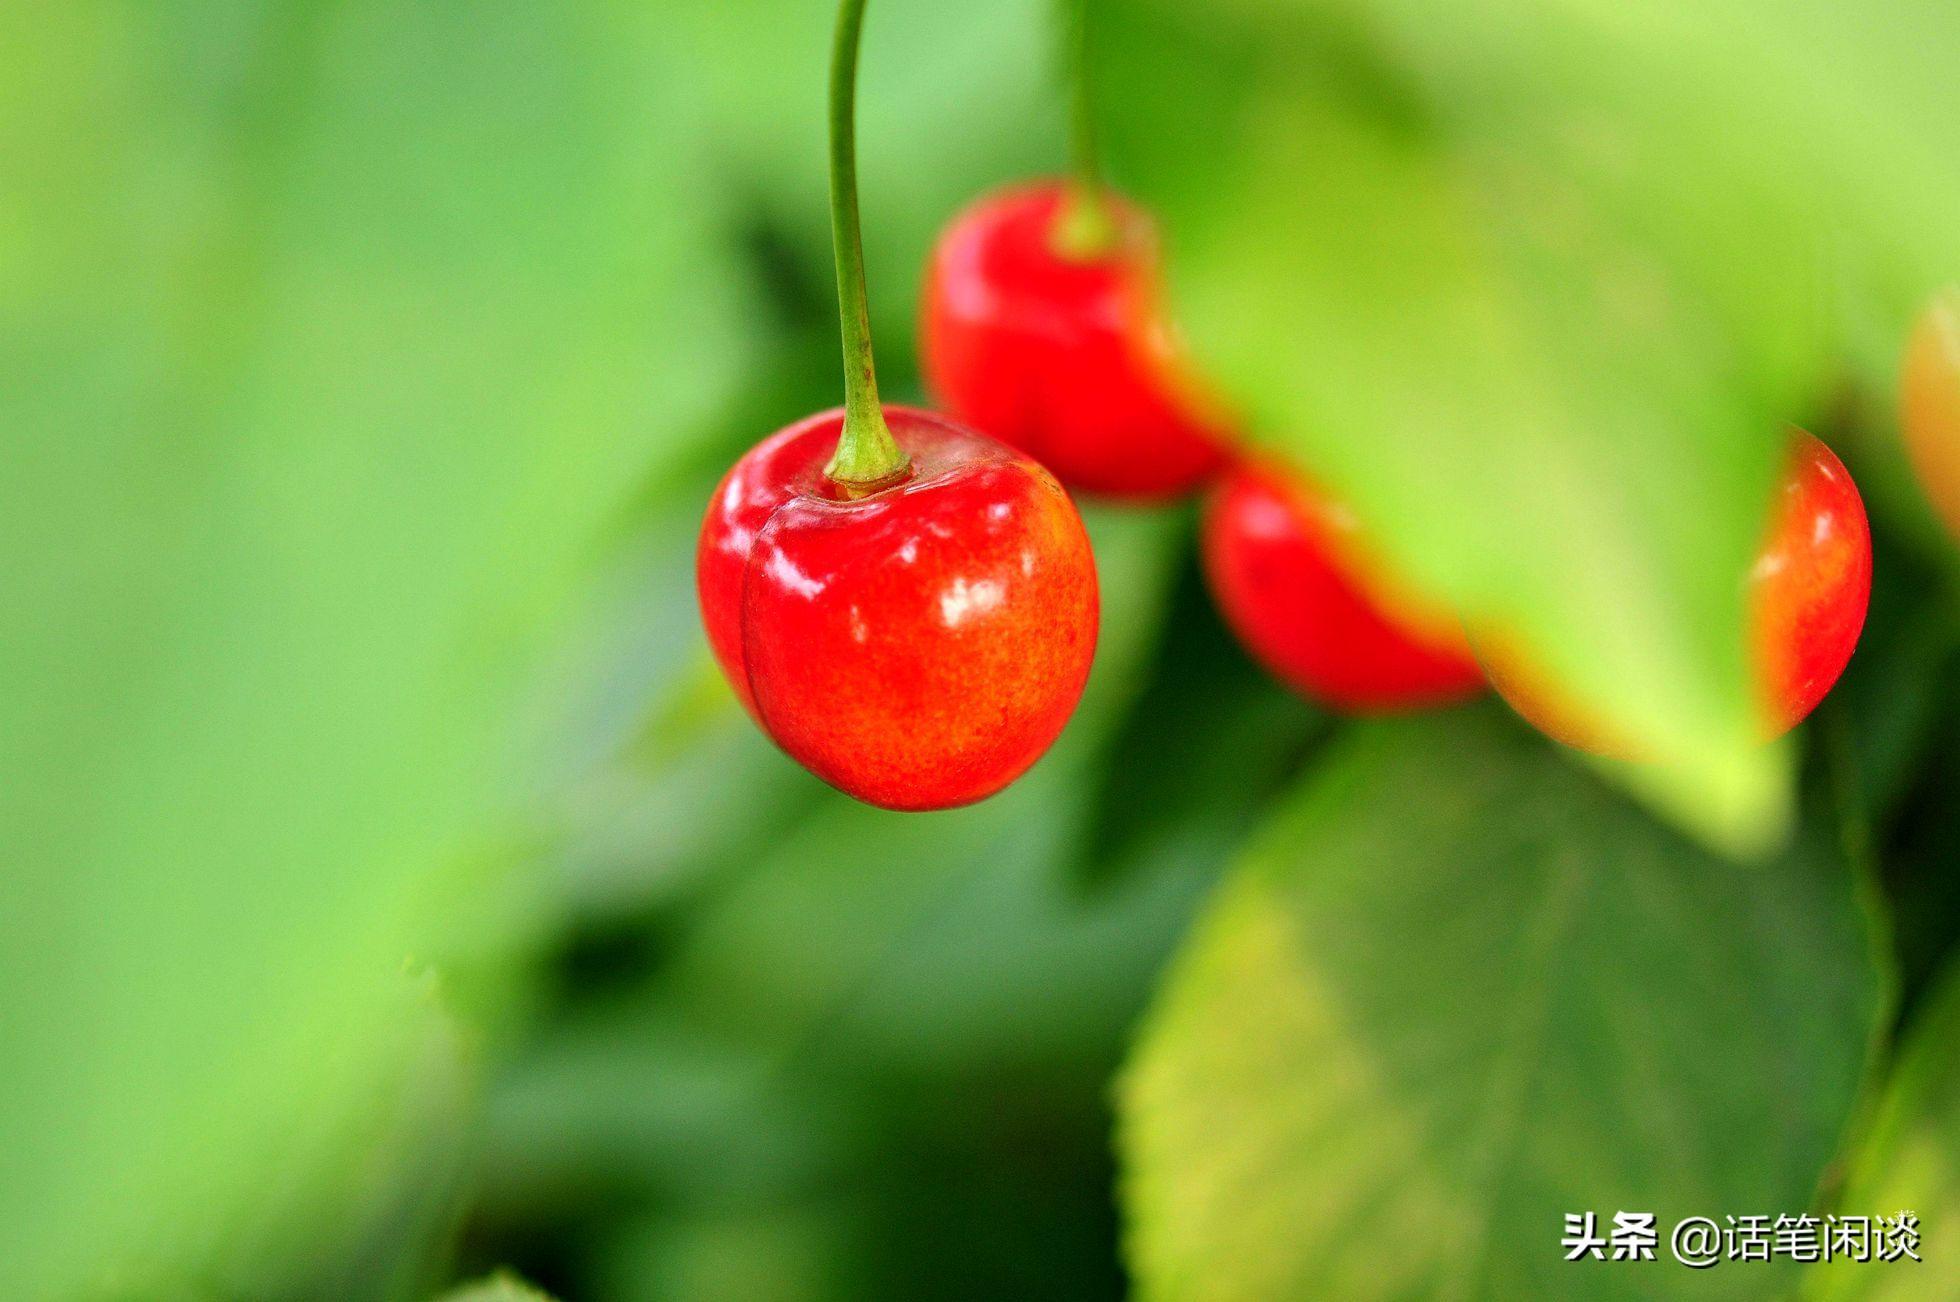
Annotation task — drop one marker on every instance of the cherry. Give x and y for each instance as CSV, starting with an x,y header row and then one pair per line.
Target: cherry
x,y
1044,330
1807,596
1298,585
1930,407
907,607
917,646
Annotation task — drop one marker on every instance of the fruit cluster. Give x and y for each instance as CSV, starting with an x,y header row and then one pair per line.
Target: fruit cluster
x,y
915,619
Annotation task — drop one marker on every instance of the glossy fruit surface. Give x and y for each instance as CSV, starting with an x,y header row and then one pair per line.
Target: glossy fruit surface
x,y
1807,596
918,647
1811,584
1930,405
1069,360
1298,585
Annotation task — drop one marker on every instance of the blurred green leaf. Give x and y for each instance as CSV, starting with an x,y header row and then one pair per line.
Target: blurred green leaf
x,y
1459,989
774,1255
1897,692
338,335
951,100
1204,745
654,778
500,1287
1493,276
1870,88
1918,867
1909,1159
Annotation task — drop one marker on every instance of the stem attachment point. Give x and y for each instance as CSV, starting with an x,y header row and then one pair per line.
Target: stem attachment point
x,y
1085,228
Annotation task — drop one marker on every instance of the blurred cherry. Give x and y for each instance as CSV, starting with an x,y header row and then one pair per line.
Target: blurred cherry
x,y
1298,584
1043,327
1807,596
1930,405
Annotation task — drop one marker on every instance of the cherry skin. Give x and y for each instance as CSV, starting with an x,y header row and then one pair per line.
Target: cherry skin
x,y
1808,591
1811,584
917,647
1298,586
1930,406
1068,359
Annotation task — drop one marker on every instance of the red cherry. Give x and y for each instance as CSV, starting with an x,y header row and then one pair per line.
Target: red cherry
x,y
1299,586
1930,406
1068,359
917,647
1811,584
1807,594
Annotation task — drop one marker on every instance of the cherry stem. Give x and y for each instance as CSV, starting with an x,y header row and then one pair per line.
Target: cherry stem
x,y
1084,228
867,456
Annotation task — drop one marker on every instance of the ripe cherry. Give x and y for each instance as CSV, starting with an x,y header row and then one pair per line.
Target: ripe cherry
x,y
907,607
1299,586
1056,343
1930,407
917,646
1807,596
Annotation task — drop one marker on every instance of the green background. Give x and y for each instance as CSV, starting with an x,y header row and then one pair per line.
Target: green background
x,y
392,890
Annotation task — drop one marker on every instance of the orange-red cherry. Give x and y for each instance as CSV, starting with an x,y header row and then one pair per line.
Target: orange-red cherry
x,y
1930,405
1066,357
918,646
1302,590
1808,591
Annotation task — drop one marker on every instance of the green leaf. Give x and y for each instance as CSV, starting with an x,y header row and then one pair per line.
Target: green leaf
x,y
1493,276
1919,875
1895,697
500,1287
1459,989
655,778
334,337
951,100
1909,1160
1202,748
772,1255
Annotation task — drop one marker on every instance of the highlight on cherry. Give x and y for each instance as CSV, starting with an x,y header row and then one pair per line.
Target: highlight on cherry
x,y
907,607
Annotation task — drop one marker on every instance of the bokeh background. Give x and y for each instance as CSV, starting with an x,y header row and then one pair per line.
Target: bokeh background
x,y
393,892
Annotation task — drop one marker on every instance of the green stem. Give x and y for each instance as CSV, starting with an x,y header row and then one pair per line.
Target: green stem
x,y
1085,229
867,456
